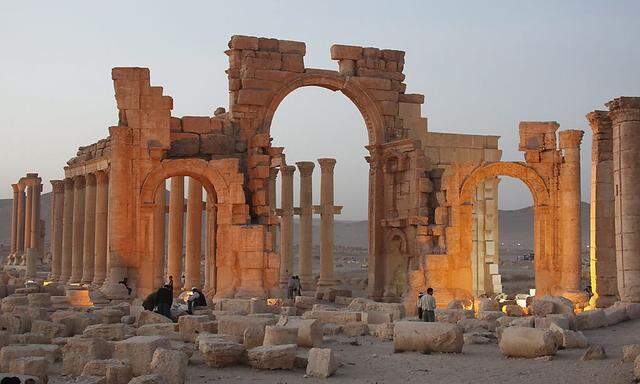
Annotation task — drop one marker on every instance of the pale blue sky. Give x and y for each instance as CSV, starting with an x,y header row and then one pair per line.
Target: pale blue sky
x,y
483,67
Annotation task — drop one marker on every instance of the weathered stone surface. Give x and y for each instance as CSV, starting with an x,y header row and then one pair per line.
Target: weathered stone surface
x,y
220,353
630,352
29,338
377,317
108,368
382,331
560,304
12,352
615,315
527,342
527,321
217,144
32,366
90,380
280,335
636,368
452,316
322,362
48,328
591,319
355,328
148,317
273,356
191,326
427,337
253,337
170,364
111,332
561,320
149,379
15,323
514,310
330,329
486,304
236,325
75,322
39,300
78,351
138,351
490,315
541,308
594,352
336,317
475,325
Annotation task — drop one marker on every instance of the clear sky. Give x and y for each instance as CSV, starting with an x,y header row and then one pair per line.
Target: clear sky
x,y
483,67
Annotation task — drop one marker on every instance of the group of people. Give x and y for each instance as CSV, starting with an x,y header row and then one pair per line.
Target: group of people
x,y
294,287
426,306
161,300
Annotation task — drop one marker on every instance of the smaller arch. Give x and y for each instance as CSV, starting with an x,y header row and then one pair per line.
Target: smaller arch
x,y
203,171
517,170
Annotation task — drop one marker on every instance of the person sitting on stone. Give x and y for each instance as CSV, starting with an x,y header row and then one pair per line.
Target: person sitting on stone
x,y
196,299
164,300
150,302
428,305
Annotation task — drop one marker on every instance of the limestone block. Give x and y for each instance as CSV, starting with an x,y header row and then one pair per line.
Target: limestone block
x,y
10,302
219,353
636,368
594,352
452,316
304,302
196,124
633,310
170,364
39,300
240,306
78,351
111,332
527,342
427,337
336,317
287,46
235,325
184,144
476,325
343,300
355,328
258,306
615,315
526,321
109,315
573,339
244,42
591,319
541,308
560,304
167,330
75,322
309,330
350,52
331,293
149,317
331,329
280,335
29,338
545,322
12,352
253,337
273,356
149,379
485,305
138,351
32,366
381,331
630,352
103,368
514,310
48,328
190,326
377,317
490,315
15,323
289,311
359,304
322,362
217,144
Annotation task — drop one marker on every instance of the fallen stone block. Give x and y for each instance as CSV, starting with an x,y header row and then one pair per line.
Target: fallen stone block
x,y
514,310
304,302
527,342
288,311
273,356
109,315
15,323
138,351
560,304
594,352
253,337
220,353
113,370
79,351
489,315
336,317
280,335
427,337
452,316
149,379
29,338
170,364
12,352
111,332
541,308
48,328
475,325
90,380
309,330
591,319
526,321
31,366
377,317
191,326
615,315
9,303
165,329
396,310
561,320
343,300
636,368
74,322
321,363
242,306
355,328
630,352
382,332
147,317
331,329
486,305
474,338
42,300
235,325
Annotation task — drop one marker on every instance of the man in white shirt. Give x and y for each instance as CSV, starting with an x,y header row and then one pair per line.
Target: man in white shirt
x,y
428,306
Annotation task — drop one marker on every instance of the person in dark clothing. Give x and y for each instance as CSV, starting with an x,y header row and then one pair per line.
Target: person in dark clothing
x,y
196,299
125,282
151,301
164,299
170,283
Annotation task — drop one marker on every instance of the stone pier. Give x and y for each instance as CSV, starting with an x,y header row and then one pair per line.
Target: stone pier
x,y
102,196
28,214
21,221
176,223
34,252
78,229
14,221
67,231
158,234
625,117
193,235
326,210
306,225
88,252
286,224
57,203
602,221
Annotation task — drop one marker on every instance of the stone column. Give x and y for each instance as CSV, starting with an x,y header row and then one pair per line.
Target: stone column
x,y
625,116
14,220
89,249
194,235
176,222
306,227
326,223
210,272
78,229
570,211
67,231
28,214
158,234
34,251
56,228
101,227
20,225
603,246
286,224
273,175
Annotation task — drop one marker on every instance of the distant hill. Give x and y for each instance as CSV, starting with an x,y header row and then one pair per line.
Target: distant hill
x,y
516,226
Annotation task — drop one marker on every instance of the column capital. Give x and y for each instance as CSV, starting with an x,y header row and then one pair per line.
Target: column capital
x,y
16,188
273,172
102,176
600,121
327,164
78,181
571,138
305,167
21,186
90,179
68,183
287,170
624,108
58,185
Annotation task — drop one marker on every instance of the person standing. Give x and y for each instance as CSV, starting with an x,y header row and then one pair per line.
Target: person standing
x,y
291,287
428,305
419,306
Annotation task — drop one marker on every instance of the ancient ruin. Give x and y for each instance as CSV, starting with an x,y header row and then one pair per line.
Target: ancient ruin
x,y
433,222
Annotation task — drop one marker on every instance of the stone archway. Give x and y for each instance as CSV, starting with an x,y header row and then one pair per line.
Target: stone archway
x,y
545,278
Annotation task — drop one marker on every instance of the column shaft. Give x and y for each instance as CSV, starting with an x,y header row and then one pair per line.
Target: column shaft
x,y
210,273
78,229
56,228
158,235
20,226
286,225
194,235
326,223
101,227
89,249
33,253
67,231
28,214
176,223
306,226
14,219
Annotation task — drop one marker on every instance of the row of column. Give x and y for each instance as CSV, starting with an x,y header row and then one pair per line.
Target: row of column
x,y
26,227
326,209
79,231
615,199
